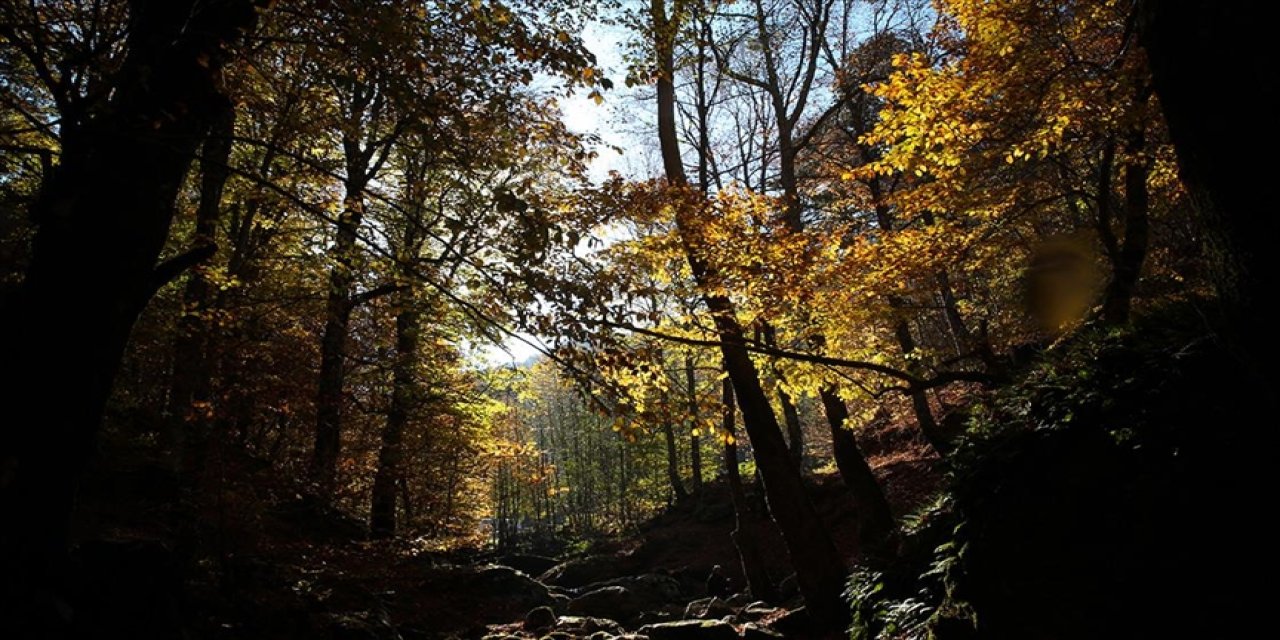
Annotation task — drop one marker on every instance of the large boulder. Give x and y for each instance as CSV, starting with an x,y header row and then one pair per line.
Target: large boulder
x,y
581,572
757,611
533,565
793,624
652,591
539,618
707,609
690,630
609,602
509,585
466,595
584,626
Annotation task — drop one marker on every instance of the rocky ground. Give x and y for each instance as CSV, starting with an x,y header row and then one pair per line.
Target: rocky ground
x,y
279,566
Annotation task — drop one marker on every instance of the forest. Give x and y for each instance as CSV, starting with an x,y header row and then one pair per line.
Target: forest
x,y
610,319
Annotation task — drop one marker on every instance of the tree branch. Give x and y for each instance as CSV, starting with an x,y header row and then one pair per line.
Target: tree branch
x,y
914,383
170,269
375,293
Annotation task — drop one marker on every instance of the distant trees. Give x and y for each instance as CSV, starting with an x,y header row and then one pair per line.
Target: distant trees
x,y
565,470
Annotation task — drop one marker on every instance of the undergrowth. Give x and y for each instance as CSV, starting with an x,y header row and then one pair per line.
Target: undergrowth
x,y
1065,507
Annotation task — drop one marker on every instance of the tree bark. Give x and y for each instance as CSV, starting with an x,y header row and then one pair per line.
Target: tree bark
x,y
103,217
673,460
875,519
695,441
1127,263
744,517
1186,43
902,333
795,434
189,392
333,343
820,570
404,396
919,400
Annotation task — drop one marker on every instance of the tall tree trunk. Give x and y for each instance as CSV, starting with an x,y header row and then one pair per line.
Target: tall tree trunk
x,y
189,390
103,217
364,148
1186,43
695,441
744,517
404,395
875,520
820,570
333,343
1127,264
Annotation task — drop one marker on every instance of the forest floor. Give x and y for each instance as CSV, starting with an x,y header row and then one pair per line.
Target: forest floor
x,y
273,564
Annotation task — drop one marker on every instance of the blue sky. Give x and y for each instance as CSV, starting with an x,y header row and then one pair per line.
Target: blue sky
x,y
616,123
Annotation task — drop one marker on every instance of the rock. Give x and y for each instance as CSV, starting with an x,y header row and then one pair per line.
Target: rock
x,y
690,630
756,611
510,585
692,580
560,602
351,626
587,625
485,592
611,602
793,624
654,617
528,563
539,618
707,608
651,590
589,570
320,520
757,632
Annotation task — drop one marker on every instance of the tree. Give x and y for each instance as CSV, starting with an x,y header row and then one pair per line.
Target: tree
x,y
819,568
1185,41
102,218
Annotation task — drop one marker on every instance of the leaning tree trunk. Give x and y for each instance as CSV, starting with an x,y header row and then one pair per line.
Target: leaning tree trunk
x,y
820,570
919,399
902,333
103,217
795,433
875,520
745,518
